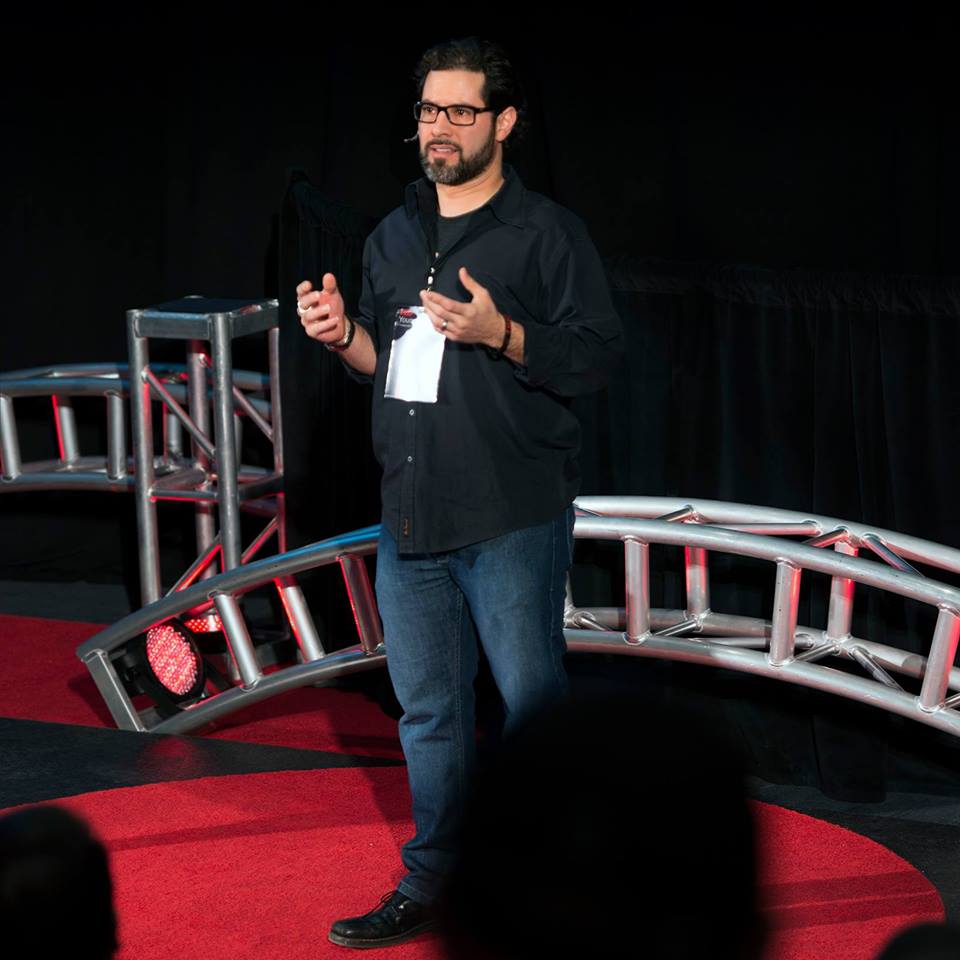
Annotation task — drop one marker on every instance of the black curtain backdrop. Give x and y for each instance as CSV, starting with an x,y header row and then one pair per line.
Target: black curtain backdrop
x,y
777,201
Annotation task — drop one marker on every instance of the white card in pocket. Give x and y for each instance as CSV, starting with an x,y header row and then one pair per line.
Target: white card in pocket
x,y
416,355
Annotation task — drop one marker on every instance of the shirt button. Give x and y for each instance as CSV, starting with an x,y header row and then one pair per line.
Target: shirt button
x,y
429,280
433,270
409,459
412,411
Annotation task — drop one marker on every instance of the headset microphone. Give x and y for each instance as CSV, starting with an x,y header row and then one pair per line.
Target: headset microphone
x,y
411,139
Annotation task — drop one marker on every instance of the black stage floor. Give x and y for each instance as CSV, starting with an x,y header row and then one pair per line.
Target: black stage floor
x,y
919,819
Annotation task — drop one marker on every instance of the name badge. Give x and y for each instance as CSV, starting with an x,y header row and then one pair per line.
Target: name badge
x,y
416,355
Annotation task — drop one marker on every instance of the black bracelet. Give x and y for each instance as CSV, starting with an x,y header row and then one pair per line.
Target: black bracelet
x,y
506,333
343,344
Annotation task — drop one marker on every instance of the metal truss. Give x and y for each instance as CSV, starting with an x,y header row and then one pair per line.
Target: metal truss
x,y
777,647
213,478
173,474
113,468
203,406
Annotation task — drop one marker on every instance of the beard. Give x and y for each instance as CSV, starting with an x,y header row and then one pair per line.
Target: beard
x,y
452,172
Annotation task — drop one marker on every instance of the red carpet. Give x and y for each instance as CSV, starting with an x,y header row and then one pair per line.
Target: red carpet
x,y
257,866
47,682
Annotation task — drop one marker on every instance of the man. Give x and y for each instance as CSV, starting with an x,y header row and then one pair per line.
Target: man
x,y
484,307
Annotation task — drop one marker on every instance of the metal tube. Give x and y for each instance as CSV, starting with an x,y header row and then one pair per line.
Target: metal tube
x,y
172,436
251,411
281,515
568,605
67,370
828,539
582,619
238,440
769,548
711,624
197,393
785,604
736,658
98,386
339,664
276,412
164,394
887,555
741,643
196,569
300,618
161,491
636,558
675,516
116,436
276,424
261,538
238,638
362,601
715,626
903,661
9,440
204,525
808,527
840,611
816,653
142,428
257,485
698,580
943,649
679,629
226,441
66,422
58,479
862,657
730,514
111,689
185,480
244,578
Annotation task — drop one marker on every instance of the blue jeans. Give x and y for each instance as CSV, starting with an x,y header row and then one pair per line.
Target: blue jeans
x,y
512,589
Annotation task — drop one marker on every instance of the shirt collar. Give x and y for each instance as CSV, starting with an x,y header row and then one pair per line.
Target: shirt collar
x,y
506,204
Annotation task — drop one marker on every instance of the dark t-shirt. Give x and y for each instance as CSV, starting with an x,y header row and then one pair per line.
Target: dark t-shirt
x,y
451,229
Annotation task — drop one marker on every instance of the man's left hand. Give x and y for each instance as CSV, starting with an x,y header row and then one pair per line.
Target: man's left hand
x,y
478,321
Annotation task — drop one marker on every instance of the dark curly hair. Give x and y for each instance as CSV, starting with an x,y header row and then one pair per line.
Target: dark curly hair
x,y
501,86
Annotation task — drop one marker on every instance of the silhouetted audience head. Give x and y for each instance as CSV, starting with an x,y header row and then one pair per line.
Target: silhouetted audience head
x,y
607,829
926,941
56,897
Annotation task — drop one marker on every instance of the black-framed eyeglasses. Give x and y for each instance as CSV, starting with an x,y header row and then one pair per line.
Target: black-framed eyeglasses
x,y
459,114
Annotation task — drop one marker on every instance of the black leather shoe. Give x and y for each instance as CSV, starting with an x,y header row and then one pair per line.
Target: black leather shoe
x,y
395,918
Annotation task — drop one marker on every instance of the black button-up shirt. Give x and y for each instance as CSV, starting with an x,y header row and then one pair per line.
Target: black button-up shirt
x,y
498,450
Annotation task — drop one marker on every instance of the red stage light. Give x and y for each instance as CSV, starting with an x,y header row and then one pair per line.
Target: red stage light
x,y
173,659
208,623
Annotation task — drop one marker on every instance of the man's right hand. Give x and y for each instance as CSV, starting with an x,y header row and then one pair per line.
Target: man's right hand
x,y
321,311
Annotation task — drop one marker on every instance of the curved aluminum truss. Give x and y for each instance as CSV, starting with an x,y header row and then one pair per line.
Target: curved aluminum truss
x,y
779,648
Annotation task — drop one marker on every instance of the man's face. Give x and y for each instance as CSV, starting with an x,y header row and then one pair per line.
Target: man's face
x,y
452,154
